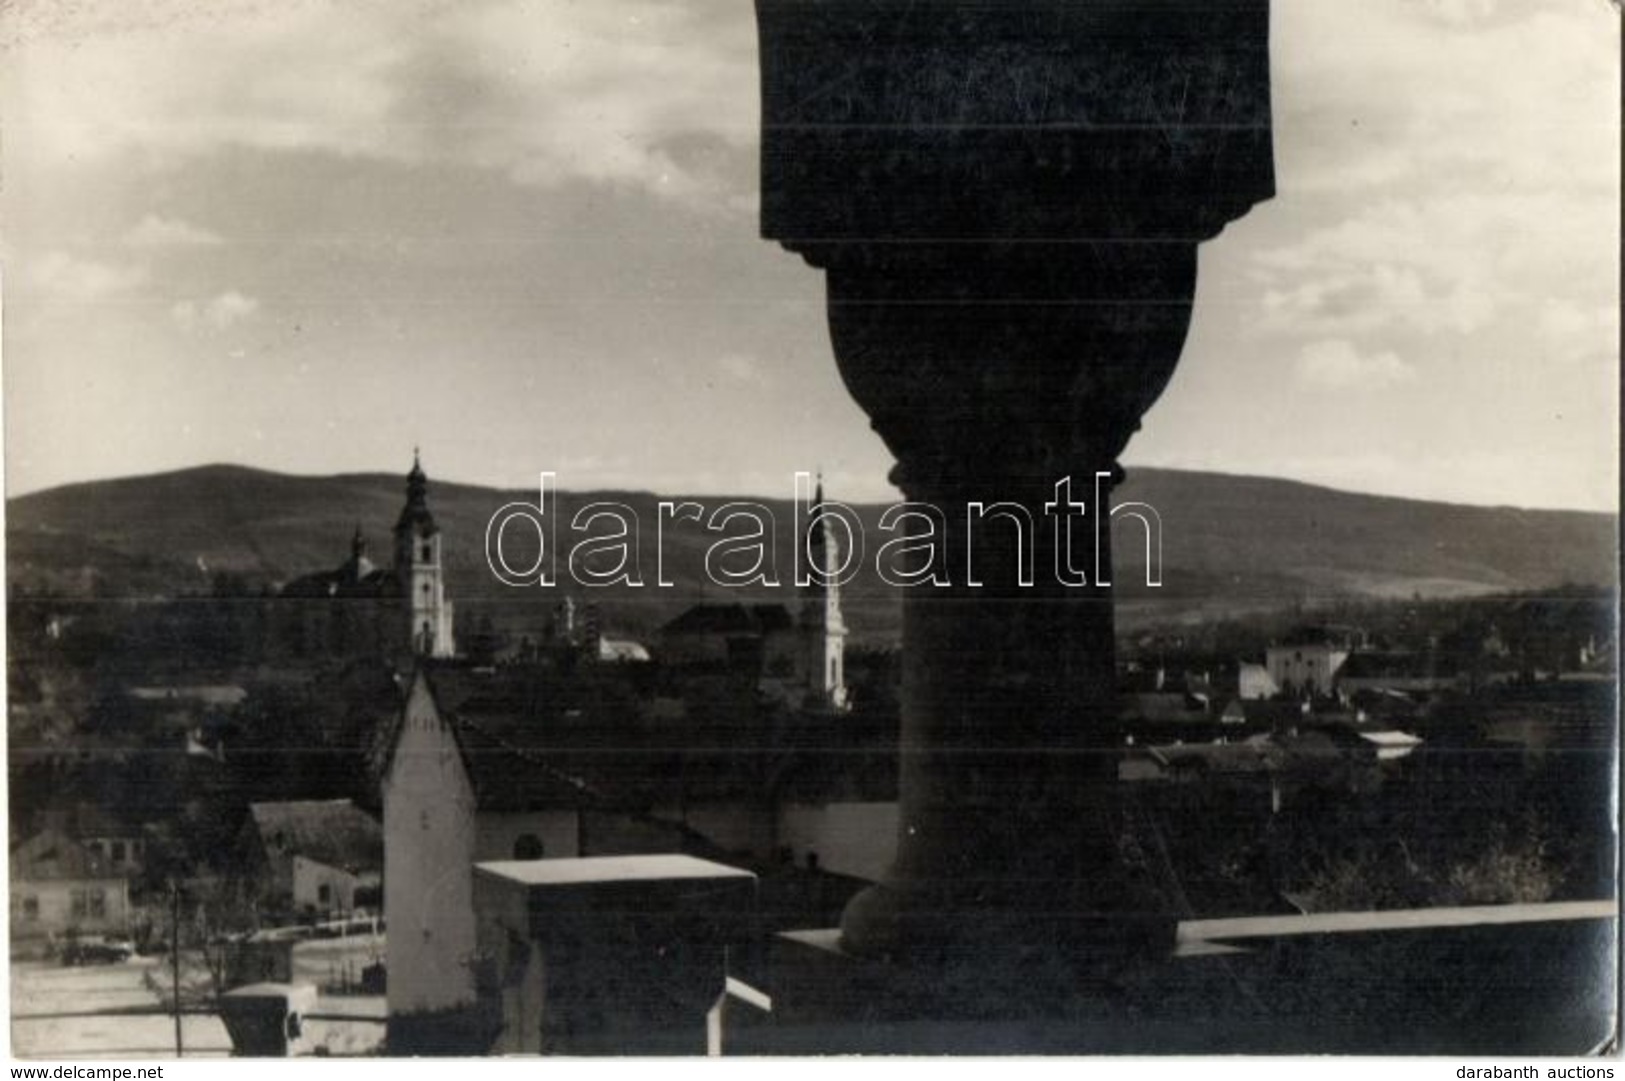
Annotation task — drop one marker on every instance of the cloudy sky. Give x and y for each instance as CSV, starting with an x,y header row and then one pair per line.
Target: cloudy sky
x,y
307,235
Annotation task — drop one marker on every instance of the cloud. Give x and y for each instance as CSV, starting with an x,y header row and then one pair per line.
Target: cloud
x,y
1442,267
543,91
157,231
68,277
1446,169
1335,364
655,96
742,369
1577,333
218,313
1345,299
1459,12
1362,104
414,174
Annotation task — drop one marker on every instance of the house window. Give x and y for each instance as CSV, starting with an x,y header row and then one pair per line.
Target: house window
x,y
528,847
428,554
324,894
30,907
89,904
118,851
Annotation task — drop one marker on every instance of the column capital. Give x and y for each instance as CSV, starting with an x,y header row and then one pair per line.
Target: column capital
x,y
991,371
900,121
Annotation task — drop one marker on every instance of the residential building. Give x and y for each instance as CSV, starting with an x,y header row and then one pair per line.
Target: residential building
x,y
310,859
1306,663
61,888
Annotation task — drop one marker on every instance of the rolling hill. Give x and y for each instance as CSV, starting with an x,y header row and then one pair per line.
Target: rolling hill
x,y
1231,544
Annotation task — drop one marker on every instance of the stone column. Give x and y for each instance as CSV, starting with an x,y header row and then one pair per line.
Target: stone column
x,y
1007,200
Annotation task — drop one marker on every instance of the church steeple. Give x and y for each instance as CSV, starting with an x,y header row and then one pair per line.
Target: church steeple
x,y
358,567
415,515
428,614
822,625
815,549
816,541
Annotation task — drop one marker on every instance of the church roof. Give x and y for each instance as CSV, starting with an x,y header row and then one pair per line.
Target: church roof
x,y
358,576
508,776
521,737
532,740
344,582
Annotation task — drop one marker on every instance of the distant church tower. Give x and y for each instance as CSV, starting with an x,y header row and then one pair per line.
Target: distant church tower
x,y
359,566
419,573
823,629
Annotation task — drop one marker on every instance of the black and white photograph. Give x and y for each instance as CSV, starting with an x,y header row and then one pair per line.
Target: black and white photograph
x,y
797,528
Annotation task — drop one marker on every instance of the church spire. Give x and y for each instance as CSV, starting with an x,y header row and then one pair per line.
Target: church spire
x,y
821,623
419,571
813,548
415,515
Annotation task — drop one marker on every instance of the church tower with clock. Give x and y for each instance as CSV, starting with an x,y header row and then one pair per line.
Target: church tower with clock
x,y
419,572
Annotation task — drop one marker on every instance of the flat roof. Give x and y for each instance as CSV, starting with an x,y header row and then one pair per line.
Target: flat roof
x,y
570,872
1232,928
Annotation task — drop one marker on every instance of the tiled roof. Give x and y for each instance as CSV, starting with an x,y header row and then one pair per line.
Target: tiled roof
x,y
334,832
1266,712
1396,664
91,820
531,740
510,777
1252,756
52,855
343,584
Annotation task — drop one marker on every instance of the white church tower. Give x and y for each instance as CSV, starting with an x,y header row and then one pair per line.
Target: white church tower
x,y
821,625
418,571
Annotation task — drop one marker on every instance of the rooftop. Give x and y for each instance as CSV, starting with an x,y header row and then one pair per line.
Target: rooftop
x,y
334,832
655,868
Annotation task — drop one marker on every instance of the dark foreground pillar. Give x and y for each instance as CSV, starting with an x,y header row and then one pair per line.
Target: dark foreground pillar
x,y
1007,200
614,955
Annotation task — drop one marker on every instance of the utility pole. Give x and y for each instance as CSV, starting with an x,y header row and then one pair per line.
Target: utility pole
x,y
175,958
